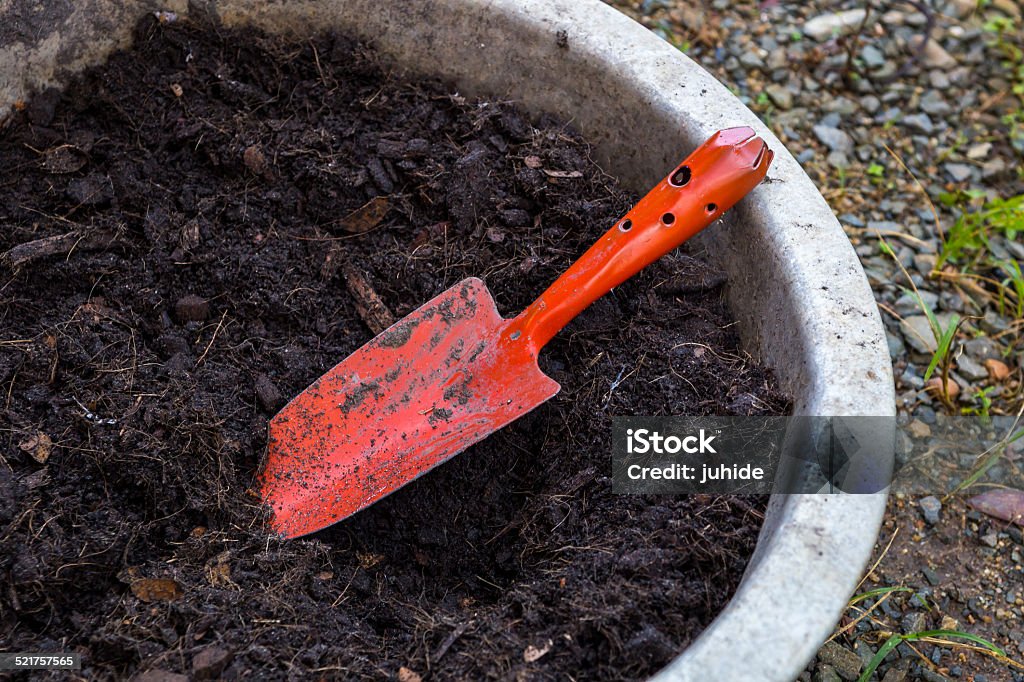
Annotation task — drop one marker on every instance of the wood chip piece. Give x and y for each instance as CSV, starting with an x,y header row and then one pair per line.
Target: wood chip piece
x,y
191,234
61,244
366,217
254,159
459,630
562,174
38,446
156,589
36,479
218,570
369,305
407,675
368,559
533,653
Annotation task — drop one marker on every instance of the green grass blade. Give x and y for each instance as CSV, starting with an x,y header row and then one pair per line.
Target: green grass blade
x,y
981,641
895,640
877,593
992,458
944,341
876,661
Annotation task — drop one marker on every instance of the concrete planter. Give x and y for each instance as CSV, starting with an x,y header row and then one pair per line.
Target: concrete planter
x,y
796,286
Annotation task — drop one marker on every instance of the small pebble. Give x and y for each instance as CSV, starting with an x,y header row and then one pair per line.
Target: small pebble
x,y
780,95
930,507
833,138
935,387
938,79
870,103
826,26
997,369
826,673
919,122
915,621
934,104
845,662
872,56
970,368
979,151
936,57
959,172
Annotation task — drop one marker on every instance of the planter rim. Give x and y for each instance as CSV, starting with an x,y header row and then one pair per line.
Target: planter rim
x,y
796,286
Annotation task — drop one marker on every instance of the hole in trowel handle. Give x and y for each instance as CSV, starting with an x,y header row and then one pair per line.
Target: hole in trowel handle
x,y
681,177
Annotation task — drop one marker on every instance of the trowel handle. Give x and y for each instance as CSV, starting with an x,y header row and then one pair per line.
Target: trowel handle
x,y
709,182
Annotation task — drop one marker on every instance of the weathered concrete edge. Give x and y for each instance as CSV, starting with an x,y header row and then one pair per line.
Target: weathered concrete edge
x,y
44,43
796,286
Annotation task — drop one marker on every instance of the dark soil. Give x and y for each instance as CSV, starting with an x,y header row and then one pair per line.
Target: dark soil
x,y
204,265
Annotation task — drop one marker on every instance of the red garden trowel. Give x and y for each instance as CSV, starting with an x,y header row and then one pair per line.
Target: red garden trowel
x,y
455,371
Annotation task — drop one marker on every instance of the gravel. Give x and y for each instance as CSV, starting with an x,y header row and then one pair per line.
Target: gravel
x,y
780,95
930,508
826,673
908,304
826,26
971,369
917,331
833,138
959,172
935,104
889,136
920,123
846,663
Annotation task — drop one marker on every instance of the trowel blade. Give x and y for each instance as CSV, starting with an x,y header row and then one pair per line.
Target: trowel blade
x,y
425,389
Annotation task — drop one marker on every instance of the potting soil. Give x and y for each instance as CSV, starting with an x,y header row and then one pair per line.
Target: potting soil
x,y
194,232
